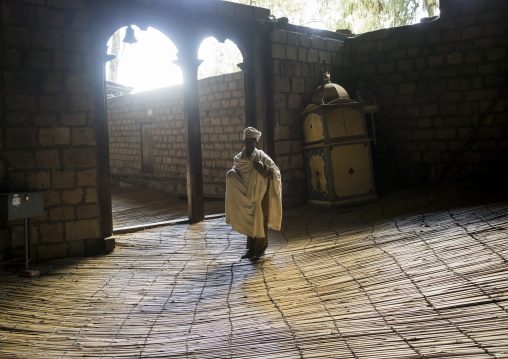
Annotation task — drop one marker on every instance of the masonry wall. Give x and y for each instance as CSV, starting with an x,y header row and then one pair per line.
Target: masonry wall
x,y
296,56
222,112
47,134
439,83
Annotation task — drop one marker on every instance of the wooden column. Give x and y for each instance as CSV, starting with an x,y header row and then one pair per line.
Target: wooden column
x,y
249,91
98,58
189,64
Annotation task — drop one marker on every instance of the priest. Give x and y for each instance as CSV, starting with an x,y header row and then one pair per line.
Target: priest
x,y
253,195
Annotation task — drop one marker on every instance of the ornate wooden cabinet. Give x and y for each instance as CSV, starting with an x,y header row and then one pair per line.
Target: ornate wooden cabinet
x,y
337,150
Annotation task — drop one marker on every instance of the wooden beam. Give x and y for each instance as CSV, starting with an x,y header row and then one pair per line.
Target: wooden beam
x,y
189,65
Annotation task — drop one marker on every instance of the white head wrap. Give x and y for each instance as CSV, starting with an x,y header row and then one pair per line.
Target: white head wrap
x,y
251,132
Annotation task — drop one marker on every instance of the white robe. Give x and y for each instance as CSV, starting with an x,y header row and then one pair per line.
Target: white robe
x,y
245,188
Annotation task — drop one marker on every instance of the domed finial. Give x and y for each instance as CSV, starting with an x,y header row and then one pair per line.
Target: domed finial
x,y
324,66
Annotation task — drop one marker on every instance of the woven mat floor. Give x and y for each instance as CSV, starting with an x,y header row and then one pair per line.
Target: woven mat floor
x,y
140,207
417,274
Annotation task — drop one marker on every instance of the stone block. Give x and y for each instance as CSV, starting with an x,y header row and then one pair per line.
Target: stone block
x,y
54,103
83,136
63,179
78,41
81,102
21,103
17,12
405,65
109,244
318,43
323,54
302,54
280,100
17,236
472,32
78,20
446,133
62,213
49,17
282,133
291,52
54,136
94,246
73,119
313,56
279,36
51,198
45,38
51,233
297,85
91,193
77,83
87,211
407,88
51,251
424,134
82,229
282,84
16,36
72,197
278,51
79,158
66,61
38,180
87,177
20,159
20,138
496,53
76,248
295,101
283,147
469,108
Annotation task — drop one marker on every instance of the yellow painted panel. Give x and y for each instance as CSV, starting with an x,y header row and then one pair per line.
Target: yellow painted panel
x,y
354,123
313,128
351,169
335,123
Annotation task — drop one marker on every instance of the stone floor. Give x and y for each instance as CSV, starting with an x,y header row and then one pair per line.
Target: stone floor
x,y
418,274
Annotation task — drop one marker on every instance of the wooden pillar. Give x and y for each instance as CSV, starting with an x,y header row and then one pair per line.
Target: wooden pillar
x,y
189,64
98,56
249,91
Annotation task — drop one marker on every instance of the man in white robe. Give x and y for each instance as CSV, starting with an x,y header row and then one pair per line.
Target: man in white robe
x,y
253,195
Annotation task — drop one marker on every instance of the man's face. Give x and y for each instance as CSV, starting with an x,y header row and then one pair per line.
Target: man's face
x,y
250,144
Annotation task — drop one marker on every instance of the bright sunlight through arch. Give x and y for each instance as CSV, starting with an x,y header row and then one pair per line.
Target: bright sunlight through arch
x,y
219,59
147,64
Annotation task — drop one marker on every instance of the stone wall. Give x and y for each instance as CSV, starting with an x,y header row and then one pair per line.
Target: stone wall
x,y
296,55
436,82
222,113
48,141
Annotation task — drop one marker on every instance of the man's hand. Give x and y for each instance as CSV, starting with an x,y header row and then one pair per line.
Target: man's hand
x,y
265,172
258,165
